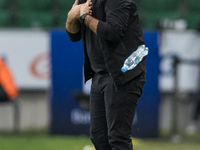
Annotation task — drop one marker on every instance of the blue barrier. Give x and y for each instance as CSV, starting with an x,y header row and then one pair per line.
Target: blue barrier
x,y
66,79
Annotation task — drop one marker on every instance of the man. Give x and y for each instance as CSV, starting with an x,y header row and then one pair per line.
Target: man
x,y
110,32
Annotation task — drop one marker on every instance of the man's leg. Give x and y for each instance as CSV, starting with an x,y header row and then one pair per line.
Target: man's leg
x,y
120,110
98,127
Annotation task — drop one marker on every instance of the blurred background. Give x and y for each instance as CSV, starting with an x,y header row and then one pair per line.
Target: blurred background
x,y
46,67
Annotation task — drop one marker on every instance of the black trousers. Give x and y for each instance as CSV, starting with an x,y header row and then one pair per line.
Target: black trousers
x,y
112,111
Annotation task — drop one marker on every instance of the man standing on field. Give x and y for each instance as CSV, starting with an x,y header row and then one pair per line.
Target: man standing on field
x,y
110,32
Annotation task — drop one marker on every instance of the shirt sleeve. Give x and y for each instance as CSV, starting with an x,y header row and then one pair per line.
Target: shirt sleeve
x,y
117,17
74,37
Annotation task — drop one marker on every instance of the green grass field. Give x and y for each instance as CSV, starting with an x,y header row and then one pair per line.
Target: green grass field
x,y
35,141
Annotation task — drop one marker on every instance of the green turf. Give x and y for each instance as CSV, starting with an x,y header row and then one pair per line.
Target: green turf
x,y
167,145
42,142
47,142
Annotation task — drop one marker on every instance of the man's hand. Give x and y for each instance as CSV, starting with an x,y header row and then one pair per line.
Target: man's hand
x,y
75,10
86,8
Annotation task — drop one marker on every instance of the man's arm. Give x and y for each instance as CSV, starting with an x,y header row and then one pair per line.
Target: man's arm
x,y
72,23
117,17
92,23
89,21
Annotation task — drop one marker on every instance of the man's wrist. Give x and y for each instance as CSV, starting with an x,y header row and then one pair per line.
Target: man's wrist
x,y
82,17
87,20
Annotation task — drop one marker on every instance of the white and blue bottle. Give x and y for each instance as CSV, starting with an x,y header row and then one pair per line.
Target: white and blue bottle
x,y
132,61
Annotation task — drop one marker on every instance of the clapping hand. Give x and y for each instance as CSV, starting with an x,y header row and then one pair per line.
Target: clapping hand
x,y
75,10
